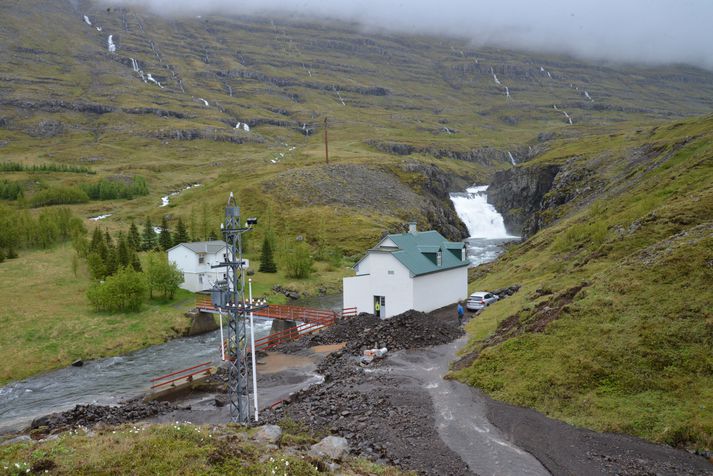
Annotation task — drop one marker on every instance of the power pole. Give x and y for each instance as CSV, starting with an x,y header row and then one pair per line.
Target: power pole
x,y
326,142
229,296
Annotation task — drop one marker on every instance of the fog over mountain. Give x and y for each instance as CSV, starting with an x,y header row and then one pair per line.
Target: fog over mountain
x,y
645,31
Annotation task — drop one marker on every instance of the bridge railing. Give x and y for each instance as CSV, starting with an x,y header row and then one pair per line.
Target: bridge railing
x,y
186,374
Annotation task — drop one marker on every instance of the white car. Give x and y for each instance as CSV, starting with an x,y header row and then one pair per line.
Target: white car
x,y
480,300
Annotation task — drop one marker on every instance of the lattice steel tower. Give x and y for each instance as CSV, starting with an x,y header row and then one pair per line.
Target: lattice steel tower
x,y
229,296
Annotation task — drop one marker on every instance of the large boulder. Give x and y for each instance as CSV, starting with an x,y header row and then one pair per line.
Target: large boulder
x,y
268,434
334,447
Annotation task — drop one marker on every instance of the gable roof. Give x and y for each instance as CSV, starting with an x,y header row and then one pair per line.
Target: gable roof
x,y
413,247
211,247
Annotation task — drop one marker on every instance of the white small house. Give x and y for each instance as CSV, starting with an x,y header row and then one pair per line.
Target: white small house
x,y
195,261
417,270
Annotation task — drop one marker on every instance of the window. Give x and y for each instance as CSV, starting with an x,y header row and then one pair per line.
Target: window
x,y
463,254
201,258
200,278
390,272
439,258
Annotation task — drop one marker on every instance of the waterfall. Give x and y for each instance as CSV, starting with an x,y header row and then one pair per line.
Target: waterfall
x,y
512,159
481,218
110,44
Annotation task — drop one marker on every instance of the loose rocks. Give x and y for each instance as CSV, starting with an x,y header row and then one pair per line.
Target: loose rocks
x,y
268,434
90,415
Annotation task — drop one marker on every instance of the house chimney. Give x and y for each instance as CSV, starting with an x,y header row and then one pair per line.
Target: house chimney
x,y
412,227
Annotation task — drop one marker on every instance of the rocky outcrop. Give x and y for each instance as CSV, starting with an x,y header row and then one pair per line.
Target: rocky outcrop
x,y
482,155
517,194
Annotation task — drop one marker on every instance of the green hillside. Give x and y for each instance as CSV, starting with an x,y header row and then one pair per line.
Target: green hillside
x,y
613,326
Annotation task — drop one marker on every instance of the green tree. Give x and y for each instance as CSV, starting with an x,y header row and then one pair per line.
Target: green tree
x,y
298,261
2,255
112,260
125,291
136,262
134,240
123,252
164,238
204,222
181,235
267,260
213,235
162,276
193,225
96,265
97,240
149,240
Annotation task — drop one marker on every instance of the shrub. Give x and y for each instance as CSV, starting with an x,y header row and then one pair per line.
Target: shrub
x,y
298,261
122,292
162,275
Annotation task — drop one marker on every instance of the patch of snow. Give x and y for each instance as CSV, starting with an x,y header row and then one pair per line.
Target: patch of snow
x,y
86,20
237,126
246,127
99,28
100,217
542,69
588,96
204,102
512,159
507,92
157,229
273,161
549,75
110,44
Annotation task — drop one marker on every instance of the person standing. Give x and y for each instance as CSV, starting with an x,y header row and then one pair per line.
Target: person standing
x,y
461,312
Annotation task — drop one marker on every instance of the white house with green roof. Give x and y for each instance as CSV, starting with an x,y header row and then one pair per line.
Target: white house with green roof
x,y
418,270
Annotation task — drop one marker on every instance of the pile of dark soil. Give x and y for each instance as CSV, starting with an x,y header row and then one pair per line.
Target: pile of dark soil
x,y
90,415
409,330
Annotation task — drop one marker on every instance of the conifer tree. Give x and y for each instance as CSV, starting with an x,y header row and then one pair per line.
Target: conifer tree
x,y
97,238
213,236
267,260
135,262
112,259
123,251
164,238
134,240
148,239
181,235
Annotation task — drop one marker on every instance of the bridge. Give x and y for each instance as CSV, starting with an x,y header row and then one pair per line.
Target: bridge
x,y
310,321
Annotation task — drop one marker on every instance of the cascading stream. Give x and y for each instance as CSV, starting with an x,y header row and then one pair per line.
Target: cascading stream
x,y
485,225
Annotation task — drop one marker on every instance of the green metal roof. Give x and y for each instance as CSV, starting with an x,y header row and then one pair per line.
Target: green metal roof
x,y
413,247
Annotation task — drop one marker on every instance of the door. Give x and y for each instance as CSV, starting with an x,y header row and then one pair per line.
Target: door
x,y
379,303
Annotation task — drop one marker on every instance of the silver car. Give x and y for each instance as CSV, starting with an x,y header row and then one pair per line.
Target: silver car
x,y
480,300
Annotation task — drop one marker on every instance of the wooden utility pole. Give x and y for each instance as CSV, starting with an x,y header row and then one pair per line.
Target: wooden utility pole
x,y
326,142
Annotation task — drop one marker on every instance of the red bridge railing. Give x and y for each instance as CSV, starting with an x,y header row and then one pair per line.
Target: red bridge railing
x,y
189,373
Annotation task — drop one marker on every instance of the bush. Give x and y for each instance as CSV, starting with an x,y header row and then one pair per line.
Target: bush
x,y
122,292
162,275
58,196
10,190
21,229
17,167
298,261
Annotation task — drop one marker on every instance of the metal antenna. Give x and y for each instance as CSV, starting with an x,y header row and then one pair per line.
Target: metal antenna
x,y
230,296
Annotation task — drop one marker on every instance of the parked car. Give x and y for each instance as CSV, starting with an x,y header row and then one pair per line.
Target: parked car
x,y
480,300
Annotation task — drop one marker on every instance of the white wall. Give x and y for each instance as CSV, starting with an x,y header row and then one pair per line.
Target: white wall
x,y
387,277
435,290
187,261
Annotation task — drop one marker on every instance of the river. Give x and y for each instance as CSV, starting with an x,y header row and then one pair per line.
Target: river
x,y
110,380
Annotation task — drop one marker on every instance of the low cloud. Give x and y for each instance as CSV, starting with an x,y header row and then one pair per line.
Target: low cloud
x,y
639,31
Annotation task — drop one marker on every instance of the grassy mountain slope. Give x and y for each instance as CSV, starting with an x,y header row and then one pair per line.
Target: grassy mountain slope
x,y
613,326
410,119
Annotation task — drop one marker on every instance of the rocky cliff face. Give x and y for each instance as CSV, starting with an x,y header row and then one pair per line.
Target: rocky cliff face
x,y
530,198
517,194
